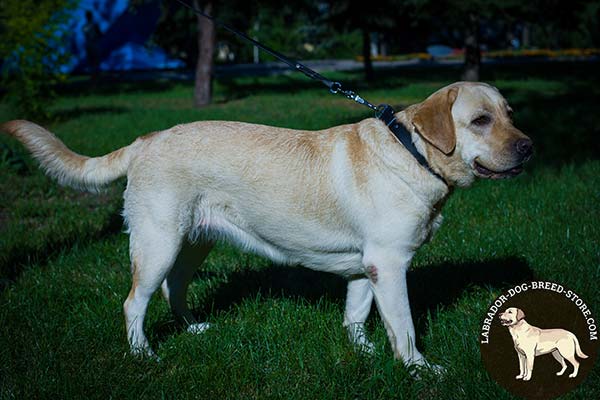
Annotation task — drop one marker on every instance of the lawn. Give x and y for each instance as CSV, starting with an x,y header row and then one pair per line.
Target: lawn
x,y
64,266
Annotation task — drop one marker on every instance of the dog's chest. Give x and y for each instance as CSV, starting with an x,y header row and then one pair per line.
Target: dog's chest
x,y
520,339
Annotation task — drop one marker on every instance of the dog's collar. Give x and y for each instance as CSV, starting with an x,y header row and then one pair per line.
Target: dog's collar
x,y
387,114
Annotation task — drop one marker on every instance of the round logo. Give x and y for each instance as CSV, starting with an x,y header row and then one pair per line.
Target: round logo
x,y
539,340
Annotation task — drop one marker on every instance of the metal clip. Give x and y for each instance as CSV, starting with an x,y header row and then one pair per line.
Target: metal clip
x,y
335,87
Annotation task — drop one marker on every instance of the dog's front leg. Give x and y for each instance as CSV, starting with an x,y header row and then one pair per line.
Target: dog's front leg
x,y
391,296
521,365
529,361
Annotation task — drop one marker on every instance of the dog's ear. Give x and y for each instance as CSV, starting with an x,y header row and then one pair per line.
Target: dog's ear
x,y
434,122
520,314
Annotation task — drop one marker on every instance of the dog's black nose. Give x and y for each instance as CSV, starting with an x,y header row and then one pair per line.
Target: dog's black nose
x,y
524,147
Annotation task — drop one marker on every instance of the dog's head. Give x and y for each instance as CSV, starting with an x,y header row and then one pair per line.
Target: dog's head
x,y
470,133
511,316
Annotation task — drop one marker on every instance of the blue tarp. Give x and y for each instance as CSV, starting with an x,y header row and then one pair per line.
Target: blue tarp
x,y
122,43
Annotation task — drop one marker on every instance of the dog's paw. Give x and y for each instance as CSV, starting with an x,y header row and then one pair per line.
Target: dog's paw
x,y
365,347
198,328
358,337
422,366
436,368
527,378
573,375
519,377
440,369
144,352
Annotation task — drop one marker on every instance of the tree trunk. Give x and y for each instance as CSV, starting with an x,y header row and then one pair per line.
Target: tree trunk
x,y
204,66
526,36
472,50
366,53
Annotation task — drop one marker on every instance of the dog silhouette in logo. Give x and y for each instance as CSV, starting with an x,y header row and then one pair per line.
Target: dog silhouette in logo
x,y
531,341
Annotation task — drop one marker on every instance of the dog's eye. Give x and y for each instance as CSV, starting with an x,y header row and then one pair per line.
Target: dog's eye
x,y
482,120
510,312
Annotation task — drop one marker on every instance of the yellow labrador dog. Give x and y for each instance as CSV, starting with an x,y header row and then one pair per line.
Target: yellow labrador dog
x,y
531,341
350,200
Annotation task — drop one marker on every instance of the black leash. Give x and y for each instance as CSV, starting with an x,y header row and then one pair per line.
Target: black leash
x,y
384,112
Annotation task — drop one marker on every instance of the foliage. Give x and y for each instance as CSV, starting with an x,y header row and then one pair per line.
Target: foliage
x,y
31,37
554,24
566,24
297,28
303,33
176,32
311,29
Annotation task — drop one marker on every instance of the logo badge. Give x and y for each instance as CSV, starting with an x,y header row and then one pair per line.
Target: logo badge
x,y
539,340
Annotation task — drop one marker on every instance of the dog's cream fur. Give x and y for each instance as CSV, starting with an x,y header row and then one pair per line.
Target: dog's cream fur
x,y
531,341
349,200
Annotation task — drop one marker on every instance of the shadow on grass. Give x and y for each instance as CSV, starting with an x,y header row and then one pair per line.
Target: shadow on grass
x,y
115,83
432,287
13,264
429,287
76,112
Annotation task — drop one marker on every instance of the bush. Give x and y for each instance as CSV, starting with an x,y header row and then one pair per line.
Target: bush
x,y
32,38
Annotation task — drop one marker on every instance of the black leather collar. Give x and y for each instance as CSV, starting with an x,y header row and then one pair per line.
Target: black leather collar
x,y
387,114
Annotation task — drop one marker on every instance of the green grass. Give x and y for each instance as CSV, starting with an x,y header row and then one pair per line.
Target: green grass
x,y
277,330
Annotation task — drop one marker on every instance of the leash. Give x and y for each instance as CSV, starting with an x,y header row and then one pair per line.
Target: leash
x,y
384,112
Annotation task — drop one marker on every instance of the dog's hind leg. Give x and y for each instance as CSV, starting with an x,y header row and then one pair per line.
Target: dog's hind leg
x,y
174,287
567,348
556,354
153,251
571,358
358,306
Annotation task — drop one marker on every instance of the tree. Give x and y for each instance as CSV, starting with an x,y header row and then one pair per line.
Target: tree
x,y
380,16
556,21
472,48
462,15
204,67
192,38
178,24
561,23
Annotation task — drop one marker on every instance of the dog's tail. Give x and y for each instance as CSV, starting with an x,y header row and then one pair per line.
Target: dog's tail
x,y
66,166
580,353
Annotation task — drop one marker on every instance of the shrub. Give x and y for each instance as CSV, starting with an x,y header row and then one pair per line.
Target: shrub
x,y
32,48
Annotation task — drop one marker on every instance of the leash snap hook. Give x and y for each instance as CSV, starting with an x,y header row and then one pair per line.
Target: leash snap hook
x,y
335,87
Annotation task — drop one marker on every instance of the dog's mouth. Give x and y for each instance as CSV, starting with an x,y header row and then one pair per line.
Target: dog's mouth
x,y
484,172
505,322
